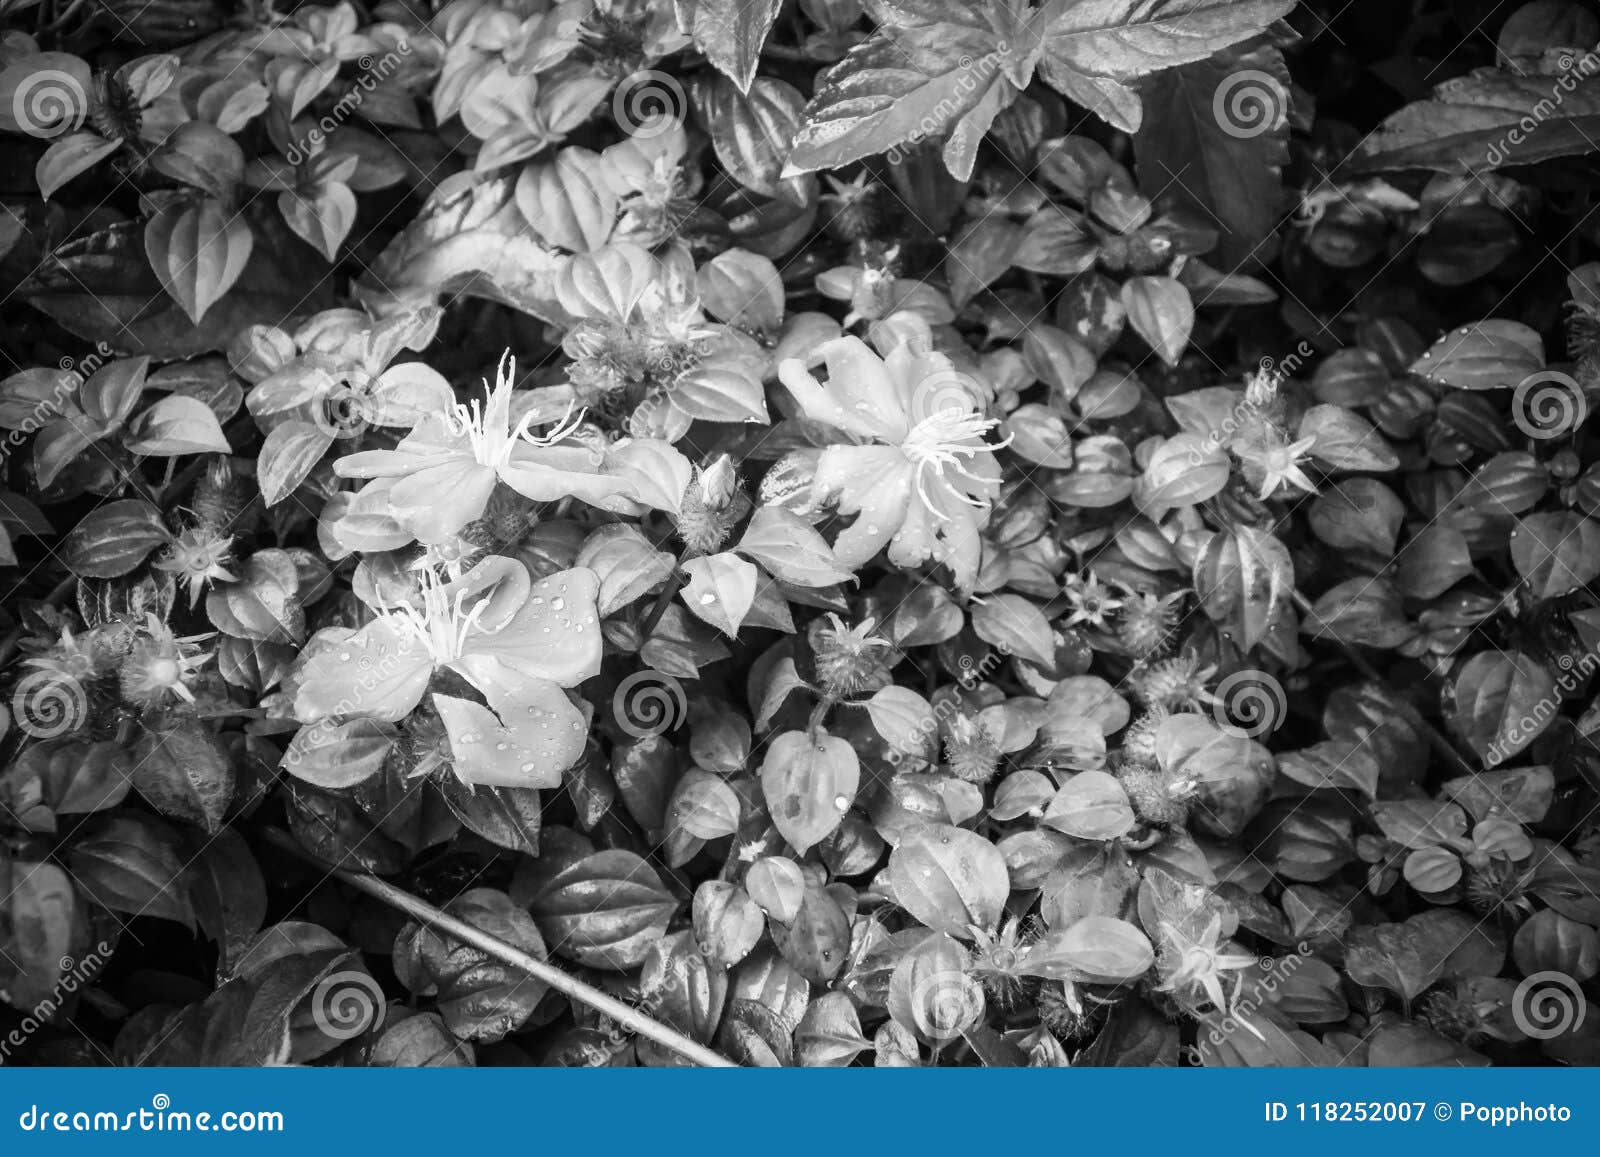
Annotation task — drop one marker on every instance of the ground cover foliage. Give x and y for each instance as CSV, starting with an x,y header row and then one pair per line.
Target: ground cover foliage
x,y
880,532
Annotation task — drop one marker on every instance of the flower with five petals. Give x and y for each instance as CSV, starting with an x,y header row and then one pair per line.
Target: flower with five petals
x,y
919,475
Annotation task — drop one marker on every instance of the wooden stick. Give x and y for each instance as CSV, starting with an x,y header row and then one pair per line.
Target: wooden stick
x,y
624,1014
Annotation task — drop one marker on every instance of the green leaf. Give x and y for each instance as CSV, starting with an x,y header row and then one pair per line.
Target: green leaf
x,y
1485,355
752,132
1556,553
1160,311
1014,626
480,998
879,97
40,909
1131,38
338,755
950,879
790,549
130,864
605,911
1096,948
177,424
1501,702
1227,168
289,453
1488,118
809,782
184,773
322,219
720,590
1091,806
568,202
1366,612
197,251
71,155
1091,47
730,33
201,155
114,539
1244,579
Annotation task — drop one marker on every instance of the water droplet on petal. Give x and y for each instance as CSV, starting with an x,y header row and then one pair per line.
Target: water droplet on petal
x,y
707,599
841,803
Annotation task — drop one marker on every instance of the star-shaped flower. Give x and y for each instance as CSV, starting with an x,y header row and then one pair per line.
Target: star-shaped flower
x,y
1192,963
1278,463
1091,600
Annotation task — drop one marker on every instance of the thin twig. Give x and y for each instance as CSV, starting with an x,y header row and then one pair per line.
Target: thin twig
x,y
630,1018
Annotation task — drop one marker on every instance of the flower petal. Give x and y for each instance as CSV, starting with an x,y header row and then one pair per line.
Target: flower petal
x,y
656,472
374,672
530,736
405,394
432,443
955,539
434,503
873,482
503,582
550,473
554,635
859,397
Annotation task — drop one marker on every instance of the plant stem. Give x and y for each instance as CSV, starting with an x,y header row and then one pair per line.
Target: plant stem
x,y
627,1016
